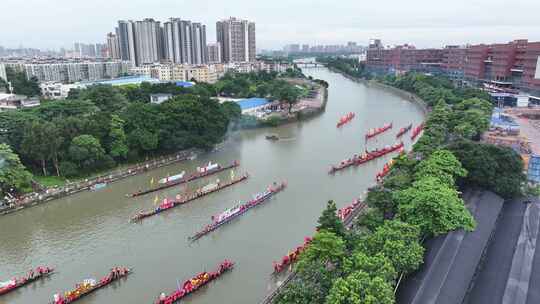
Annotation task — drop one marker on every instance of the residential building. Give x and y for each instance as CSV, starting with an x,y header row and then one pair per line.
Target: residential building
x,y
56,90
148,41
237,39
511,67
14,102
177,41
402,59
3,75
159,98
113,46
214,53
198,47
70,72
126,41
453,61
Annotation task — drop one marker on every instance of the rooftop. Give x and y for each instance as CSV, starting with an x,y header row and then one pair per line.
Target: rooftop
x,y
251,103
451,260
126,81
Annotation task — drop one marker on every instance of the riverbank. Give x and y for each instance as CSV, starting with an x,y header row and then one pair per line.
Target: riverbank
x,y
52,193
306,108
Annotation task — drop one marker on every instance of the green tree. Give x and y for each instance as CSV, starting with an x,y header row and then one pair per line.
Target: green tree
x,y
86,151
398,241
326,247
381,199
118,144
329,221
360,288
142,140
106,97
377,265
21,84
310,286
289,94
441,164
38,143
433,206
14,178
499,169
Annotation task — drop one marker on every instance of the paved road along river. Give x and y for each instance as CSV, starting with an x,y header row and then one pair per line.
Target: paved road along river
x,y
86,234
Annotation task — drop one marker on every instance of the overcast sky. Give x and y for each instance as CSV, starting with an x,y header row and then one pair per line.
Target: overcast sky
x,y
424,23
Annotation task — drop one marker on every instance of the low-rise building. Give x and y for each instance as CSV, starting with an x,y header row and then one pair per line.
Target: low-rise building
x,y
14,102
57,90
159,98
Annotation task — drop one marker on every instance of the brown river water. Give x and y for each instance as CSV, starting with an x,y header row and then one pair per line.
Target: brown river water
x,y
84,235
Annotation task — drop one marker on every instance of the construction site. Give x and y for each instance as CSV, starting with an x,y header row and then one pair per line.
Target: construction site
x,y
517,128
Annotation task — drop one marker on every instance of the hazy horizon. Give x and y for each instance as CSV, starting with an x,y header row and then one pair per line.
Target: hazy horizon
x,y
40,24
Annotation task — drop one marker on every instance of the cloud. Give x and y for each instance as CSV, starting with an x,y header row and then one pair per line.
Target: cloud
x,y
57,23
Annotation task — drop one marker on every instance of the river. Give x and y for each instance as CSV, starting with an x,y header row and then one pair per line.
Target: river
x,y
86,234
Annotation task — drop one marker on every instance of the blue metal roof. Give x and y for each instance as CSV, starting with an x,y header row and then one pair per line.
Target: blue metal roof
x,y
127,80
184,84
250,103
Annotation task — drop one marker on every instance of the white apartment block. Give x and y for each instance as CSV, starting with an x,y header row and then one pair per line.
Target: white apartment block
x,y
3,75
70,72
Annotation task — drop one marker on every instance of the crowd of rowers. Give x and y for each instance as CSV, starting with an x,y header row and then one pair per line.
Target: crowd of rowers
x,y
344,212
374,132
345,119
386,169
195,283
291,257
15,282
90,284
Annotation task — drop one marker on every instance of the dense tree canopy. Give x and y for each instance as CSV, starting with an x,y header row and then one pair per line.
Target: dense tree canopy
x,y
433,206
398,241
496,168
329,221
13,175
326,247
21,85
361,288
99,126
441,164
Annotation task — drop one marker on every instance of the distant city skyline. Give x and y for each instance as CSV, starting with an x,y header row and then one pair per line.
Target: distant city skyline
x,y
424,23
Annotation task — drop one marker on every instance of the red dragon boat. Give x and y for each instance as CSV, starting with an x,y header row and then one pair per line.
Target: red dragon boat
x,y
90,285
291,257
386,169
345,119
345,214
357,160
404,130
374,132
182,199
32,276
417,131
239,210
192,285
179,179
